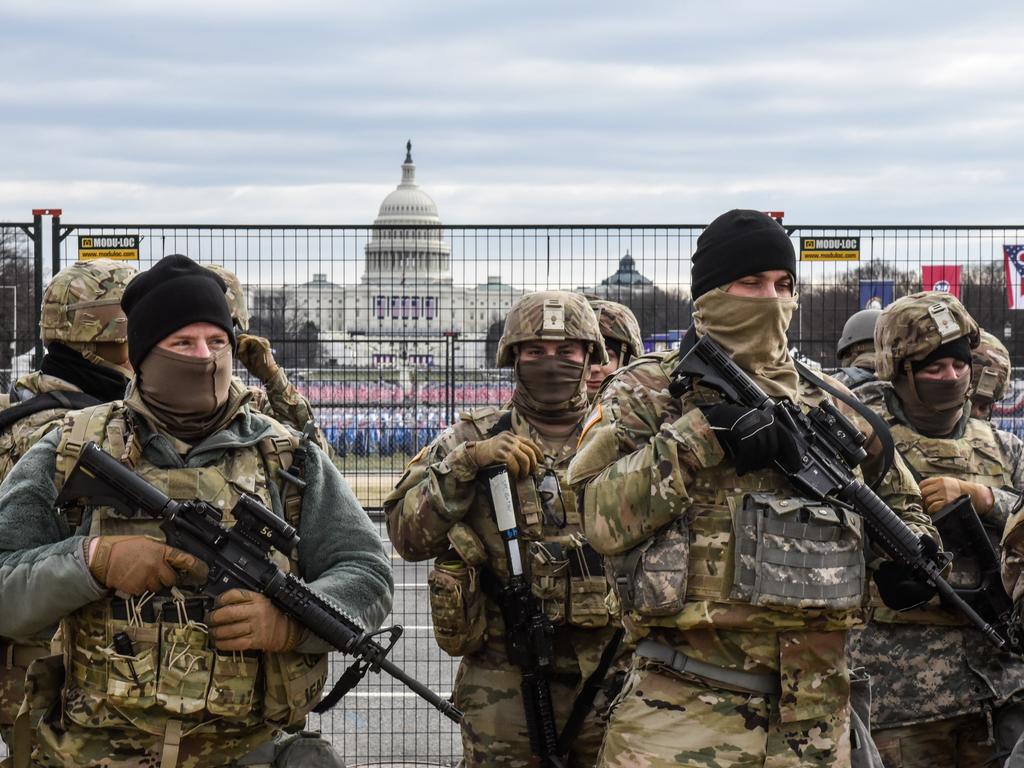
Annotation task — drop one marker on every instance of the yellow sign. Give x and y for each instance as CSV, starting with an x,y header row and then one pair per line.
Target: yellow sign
x,y
119,247
830,249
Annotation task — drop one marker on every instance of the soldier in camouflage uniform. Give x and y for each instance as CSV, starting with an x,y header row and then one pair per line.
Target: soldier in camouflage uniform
x,y
990,373
200,684
441,508
856,349
936,683
740,660
622,342
86,362
277,396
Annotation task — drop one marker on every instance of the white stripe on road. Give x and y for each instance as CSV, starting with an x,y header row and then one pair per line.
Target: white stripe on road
x,y
390,695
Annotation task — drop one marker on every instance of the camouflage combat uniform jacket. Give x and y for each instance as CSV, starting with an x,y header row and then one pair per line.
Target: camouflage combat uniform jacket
x,y
220,705
441,508
666,507
925,664
14,442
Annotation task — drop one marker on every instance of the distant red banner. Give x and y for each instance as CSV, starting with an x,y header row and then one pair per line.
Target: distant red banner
x,y
944,278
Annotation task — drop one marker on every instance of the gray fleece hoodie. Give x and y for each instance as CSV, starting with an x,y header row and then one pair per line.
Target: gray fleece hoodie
x,y
43,575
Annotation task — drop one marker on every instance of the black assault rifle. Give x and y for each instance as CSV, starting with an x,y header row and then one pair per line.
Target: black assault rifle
x,y
528,631
975,575
828,445
239,558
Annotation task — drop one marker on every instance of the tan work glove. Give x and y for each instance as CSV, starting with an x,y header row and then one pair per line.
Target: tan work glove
x,y
519,454
254,353
244,620
937,492
137,564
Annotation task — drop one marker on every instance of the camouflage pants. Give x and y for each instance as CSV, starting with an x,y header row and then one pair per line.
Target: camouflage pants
x,y
661,719
14,661
958,742
494,727
78,747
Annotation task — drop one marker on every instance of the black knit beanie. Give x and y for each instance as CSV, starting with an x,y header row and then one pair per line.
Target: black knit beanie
x,y
958,349
171,294
736,244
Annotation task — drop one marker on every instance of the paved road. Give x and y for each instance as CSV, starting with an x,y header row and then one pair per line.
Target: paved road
x,y
381,720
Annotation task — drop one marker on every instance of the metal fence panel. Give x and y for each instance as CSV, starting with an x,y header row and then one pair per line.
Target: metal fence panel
x,y
391,332
20,251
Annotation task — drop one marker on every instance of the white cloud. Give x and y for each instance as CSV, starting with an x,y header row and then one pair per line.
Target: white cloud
x,y
576,111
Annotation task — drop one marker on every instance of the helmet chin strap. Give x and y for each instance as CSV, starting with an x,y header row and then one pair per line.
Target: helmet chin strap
x,y
88,351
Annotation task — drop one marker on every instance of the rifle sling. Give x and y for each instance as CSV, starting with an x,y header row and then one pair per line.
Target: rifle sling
x,y
71,401
877,423
585,700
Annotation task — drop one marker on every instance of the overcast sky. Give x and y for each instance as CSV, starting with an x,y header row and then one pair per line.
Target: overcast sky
x,y
260,111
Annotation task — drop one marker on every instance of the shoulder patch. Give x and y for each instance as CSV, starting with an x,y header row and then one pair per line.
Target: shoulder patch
x,y
422,452
595,417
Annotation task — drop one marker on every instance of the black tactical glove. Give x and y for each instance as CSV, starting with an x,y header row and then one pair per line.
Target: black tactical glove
x,y
898,586
751,438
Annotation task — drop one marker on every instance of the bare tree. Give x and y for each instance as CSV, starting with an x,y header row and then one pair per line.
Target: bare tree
x,y
17,298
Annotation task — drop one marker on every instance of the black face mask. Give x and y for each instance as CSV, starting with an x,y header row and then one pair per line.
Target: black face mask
x,y
105,384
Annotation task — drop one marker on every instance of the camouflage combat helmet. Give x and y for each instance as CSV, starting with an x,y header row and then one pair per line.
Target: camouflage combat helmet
x,y
990,369
554,316
913,327
860,326
82,303
235,296
618,322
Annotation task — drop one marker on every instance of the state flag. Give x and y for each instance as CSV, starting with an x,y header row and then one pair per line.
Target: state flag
x,y
1013,255
944,278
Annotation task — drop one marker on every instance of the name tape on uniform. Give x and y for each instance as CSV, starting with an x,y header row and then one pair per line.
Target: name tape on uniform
x,y
118,247
830,249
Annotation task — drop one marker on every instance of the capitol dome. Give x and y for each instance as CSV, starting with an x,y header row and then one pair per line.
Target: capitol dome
x,y
397,253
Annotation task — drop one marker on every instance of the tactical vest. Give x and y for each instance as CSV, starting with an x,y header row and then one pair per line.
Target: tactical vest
x,y
566,574
141,662
975,457
744,541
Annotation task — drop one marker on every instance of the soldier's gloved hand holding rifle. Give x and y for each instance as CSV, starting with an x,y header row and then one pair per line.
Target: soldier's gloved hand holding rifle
x,y
751,438
137,564
937,492
243,620
519,454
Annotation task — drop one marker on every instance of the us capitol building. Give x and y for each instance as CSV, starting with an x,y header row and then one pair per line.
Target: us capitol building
x,y
405,312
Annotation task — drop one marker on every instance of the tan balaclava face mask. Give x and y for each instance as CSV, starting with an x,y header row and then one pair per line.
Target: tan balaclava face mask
x,y
933,406
188,395
551,389
752,329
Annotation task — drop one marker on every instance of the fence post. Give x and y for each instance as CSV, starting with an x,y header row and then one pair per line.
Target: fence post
x,y
55,240
37,256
